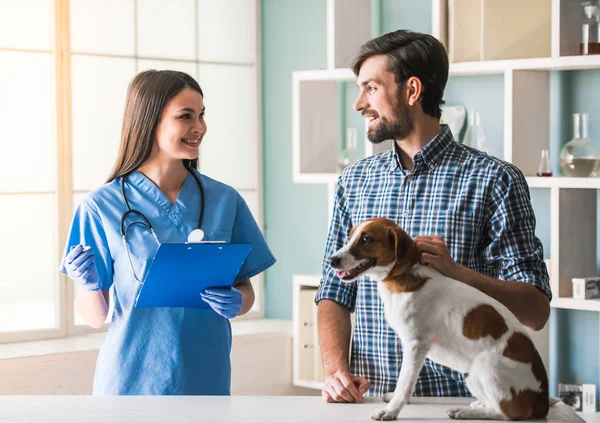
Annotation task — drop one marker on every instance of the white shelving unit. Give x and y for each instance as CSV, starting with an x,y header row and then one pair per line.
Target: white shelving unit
x,y
315,134
563,182
348,26
308,368
573,210
307,365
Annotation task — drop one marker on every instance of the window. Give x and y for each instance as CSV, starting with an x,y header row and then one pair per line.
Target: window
x,y
65,67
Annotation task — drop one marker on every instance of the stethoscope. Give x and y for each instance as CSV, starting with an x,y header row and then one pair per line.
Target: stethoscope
x,y
197,235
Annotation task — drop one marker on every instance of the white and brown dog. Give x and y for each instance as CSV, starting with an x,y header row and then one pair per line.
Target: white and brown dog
x,y
449,322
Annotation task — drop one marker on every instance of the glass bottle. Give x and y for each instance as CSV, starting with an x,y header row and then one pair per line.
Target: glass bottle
x,y
544,167
474,136
590,29
349,153
580,157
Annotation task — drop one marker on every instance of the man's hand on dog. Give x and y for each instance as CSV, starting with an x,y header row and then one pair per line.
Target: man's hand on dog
x,y
434,253
341,386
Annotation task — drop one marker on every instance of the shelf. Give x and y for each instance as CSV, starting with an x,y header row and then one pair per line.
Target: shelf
x,y
532,181
307,280
573,304
316,178
473,68
544,63
342,74
562,182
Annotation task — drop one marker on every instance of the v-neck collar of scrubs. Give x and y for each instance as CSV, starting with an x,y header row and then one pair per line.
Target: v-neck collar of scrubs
x,y
175,210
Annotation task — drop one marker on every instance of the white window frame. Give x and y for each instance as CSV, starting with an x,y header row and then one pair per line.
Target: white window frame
x,y
64,172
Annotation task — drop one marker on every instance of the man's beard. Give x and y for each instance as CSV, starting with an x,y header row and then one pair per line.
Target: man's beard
x,y
387,130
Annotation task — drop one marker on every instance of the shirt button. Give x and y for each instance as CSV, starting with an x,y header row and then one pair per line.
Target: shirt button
x,y
406,214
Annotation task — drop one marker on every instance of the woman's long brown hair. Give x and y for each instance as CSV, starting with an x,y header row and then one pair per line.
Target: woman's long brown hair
x,y
147,95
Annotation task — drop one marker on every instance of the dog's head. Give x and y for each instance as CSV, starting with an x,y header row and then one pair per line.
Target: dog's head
x,y
376,247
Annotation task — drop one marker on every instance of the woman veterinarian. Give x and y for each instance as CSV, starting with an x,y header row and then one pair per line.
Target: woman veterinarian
x,y
155,185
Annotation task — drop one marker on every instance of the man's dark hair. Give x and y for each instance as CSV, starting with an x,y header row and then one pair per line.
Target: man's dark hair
x,y
412,54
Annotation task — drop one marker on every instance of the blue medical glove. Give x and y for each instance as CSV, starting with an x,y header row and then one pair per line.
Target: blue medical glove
x,y
81,268
227,302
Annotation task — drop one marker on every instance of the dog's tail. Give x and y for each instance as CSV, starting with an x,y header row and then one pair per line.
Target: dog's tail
x,y
554,401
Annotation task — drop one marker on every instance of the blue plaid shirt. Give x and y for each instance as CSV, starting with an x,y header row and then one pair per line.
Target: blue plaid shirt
x,y
480,205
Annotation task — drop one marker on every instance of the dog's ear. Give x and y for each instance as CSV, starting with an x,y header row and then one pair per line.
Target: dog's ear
x,y
404,246
393,240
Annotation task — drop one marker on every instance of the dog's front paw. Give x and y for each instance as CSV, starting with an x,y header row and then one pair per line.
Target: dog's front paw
x,y
385,414
388,397
455,413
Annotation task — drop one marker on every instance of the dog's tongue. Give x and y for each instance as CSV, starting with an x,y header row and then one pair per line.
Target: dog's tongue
x,y
341,273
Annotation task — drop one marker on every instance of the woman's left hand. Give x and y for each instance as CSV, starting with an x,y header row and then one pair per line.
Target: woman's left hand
x,y
227,302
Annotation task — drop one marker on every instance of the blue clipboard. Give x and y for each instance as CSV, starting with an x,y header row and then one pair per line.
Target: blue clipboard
x,y
179,271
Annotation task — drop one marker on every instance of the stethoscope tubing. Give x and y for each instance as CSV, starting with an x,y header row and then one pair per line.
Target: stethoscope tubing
x,y
147,223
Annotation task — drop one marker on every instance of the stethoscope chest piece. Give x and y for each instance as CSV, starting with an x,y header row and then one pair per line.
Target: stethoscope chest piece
x,y
197,235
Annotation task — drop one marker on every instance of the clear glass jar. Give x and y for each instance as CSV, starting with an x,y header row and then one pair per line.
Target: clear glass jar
x,y
544,168
580,157
590,29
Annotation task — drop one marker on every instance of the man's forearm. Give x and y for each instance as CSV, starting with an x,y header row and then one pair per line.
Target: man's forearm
x,y
528,304
334,326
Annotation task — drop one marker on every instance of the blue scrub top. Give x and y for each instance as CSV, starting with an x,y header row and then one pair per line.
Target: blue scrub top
x,y
162,351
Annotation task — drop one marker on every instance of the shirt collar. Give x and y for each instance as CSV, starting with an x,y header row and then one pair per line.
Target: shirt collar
x,y
430,154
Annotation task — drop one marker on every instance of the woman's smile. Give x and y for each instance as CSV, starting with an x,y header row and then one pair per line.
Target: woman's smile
x,y
192,142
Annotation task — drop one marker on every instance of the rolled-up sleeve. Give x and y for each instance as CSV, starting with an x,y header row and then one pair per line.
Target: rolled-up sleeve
x,y
514,245
330,287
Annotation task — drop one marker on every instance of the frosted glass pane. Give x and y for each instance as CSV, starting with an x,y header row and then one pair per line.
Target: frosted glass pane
x,y
27,119
176,21
28,275
227,31
27,24
103,26
99,88
187,67
229,151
